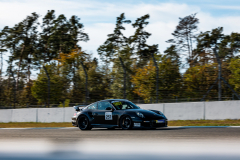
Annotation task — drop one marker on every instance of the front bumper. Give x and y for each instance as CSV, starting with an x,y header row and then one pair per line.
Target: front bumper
x,y
149,123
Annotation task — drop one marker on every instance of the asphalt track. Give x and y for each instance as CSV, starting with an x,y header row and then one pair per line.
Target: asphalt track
x,y
168,143
169,133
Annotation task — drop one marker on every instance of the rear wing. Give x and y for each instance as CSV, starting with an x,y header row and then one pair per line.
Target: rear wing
x,y
79,107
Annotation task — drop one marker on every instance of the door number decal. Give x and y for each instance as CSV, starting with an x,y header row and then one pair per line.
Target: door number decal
x,y
108,115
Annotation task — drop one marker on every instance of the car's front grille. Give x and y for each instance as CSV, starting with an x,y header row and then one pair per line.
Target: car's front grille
x,y
153,123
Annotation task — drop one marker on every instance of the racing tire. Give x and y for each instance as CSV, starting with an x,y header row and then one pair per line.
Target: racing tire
x,y
83,123
126,123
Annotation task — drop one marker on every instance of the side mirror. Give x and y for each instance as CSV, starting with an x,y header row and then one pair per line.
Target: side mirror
x,y
109,108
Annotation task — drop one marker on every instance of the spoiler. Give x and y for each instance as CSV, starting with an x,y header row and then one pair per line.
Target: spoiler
x,y
78,107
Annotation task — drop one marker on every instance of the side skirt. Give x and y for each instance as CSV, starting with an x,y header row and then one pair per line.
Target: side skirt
x,y
104,126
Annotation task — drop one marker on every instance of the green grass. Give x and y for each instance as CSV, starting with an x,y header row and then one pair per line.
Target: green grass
x,y
33,125
226,122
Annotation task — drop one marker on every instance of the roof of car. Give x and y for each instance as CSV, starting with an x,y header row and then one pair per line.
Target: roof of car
x,y
115,100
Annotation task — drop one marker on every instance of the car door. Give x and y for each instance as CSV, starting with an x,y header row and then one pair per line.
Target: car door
x,y
105,117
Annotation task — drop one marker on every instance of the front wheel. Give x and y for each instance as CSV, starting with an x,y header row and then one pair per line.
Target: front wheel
x,y
83,123
126,123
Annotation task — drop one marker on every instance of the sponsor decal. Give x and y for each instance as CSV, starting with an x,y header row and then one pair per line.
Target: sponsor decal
x,y
137,124
108,115
160,121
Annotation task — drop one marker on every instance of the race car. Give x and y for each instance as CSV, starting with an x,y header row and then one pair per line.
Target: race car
x,y
117,113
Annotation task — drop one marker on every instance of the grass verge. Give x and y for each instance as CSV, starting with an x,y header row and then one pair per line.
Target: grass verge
x,y
226,122
33,125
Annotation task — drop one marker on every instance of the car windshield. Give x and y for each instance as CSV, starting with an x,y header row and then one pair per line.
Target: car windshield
x,y
120,105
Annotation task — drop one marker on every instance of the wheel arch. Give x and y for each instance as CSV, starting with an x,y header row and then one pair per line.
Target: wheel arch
x,y
82,114
124,115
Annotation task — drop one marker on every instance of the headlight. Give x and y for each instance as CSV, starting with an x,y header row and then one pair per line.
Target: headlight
x,y
140,115
159,112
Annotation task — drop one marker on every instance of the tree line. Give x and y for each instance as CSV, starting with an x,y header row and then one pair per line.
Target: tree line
x,y
128,67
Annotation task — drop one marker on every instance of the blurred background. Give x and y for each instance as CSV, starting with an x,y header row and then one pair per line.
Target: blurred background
x,y
195,65
63,53
106,149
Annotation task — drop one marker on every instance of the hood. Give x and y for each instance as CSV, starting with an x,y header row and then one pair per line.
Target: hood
x,y
148,114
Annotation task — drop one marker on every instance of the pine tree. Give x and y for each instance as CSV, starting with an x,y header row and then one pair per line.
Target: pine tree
x,y
185,34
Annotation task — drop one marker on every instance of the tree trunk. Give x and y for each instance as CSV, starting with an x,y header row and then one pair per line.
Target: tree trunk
x,y
86,83
28,82
219,74
74,77
19,65
49,85
190,59
14,89
29,68
190,38
124,78
157,76
1,66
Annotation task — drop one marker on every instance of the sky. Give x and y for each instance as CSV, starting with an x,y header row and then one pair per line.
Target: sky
x,y
99,16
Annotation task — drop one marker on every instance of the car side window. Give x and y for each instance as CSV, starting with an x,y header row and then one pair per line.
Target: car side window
x,y
92,106
103,105
124,106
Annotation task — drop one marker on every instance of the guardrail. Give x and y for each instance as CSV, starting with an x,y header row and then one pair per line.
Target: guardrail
x,y
217,110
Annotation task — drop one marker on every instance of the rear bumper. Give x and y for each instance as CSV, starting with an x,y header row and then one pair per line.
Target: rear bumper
x,y
74,121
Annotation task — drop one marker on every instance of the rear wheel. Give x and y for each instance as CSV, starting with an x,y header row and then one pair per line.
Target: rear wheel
x,y
126,123
83,123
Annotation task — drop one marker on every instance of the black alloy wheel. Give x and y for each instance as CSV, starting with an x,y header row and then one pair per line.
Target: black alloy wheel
x,y
126,123
83,123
